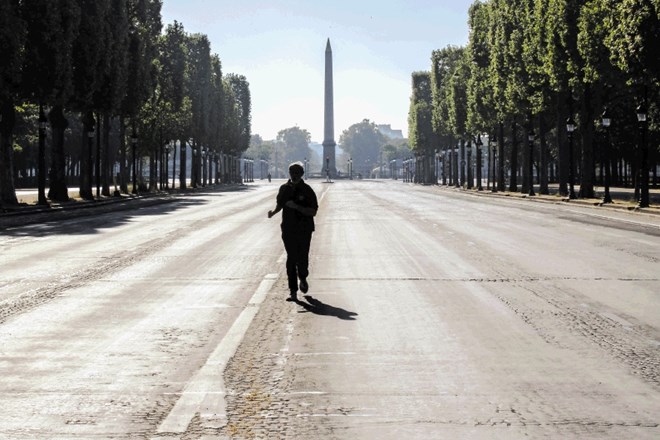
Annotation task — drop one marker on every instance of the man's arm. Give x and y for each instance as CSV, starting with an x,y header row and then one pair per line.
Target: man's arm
x,y
309,212
277,209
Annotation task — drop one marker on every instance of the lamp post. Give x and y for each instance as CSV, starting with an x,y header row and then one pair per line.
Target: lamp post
x,y
90,147
43,122
468,171
479,145
134,140
462,181
98,158
530,138
168,148
494,146
606,121
644,167
423,168
206,160
570,128
174,164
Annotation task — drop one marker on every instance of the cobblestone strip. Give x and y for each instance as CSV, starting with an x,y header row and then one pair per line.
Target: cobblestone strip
x,y
258,376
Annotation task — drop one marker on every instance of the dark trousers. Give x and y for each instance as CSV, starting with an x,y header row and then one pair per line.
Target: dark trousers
x,y
297,256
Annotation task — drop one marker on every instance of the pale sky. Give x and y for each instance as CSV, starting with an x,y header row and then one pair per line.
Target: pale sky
x,y
279,46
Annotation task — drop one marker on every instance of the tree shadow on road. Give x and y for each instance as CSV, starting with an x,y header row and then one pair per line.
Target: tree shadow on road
x,y
315,306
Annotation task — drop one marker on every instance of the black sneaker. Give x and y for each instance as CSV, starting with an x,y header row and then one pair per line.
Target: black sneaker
x,y
304,287
293,296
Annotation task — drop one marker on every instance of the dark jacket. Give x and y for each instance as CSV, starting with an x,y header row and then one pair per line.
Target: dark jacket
x,y
302,194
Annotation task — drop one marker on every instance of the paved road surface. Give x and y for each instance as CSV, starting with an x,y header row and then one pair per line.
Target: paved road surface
x,y
431,314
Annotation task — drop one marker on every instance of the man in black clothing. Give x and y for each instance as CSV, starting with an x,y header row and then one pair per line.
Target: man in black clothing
x,y
299,205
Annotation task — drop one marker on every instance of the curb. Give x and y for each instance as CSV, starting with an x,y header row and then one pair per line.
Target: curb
x,y
25,214
558,200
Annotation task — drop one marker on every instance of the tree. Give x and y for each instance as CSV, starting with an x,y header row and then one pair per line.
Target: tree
x,y
171,88
199,89
363,142
633,40
420,123
241,92
295,141
12,36
443,65
457,107
52,28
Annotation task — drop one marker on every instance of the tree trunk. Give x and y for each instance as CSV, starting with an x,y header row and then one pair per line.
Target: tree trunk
x,y
58,190
587,174
513,183
174,165
562,147
543,157
123,175
182,166
105,156
526,157
86,156
501,181
457,182
7,188
194,169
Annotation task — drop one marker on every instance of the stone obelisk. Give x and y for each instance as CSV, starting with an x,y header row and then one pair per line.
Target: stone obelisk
x,y
329,164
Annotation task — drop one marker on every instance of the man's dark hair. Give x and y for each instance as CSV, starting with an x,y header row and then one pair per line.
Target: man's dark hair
x,y
297,166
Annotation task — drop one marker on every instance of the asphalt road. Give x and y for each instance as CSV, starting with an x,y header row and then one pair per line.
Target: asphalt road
x,y
431,314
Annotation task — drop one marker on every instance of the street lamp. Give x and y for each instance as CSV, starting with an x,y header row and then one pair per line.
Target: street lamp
x,y
205,160
90,146
422,169
493,143
168,148
530,138
479,145
43,124
570,128
606,121
468,171
643,169
134,140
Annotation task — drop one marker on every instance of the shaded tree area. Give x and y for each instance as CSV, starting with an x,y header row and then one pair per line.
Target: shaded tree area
x,y
531,66
363,143
96,92
294,145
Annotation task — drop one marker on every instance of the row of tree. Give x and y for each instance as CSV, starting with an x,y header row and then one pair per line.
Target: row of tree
x,y
106,69
362,143
530,67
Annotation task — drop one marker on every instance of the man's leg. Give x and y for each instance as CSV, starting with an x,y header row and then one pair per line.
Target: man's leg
x,y
291,247
303,260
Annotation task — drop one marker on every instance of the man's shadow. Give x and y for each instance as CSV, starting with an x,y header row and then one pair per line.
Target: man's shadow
x,y
318,308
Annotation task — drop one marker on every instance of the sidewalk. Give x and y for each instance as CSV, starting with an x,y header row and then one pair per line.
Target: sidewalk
x,y
622,198
28,212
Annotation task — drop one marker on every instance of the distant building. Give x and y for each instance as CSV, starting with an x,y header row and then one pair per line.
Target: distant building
x,y
386,130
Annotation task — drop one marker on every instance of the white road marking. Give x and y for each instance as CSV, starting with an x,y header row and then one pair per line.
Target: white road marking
x,y
205,393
